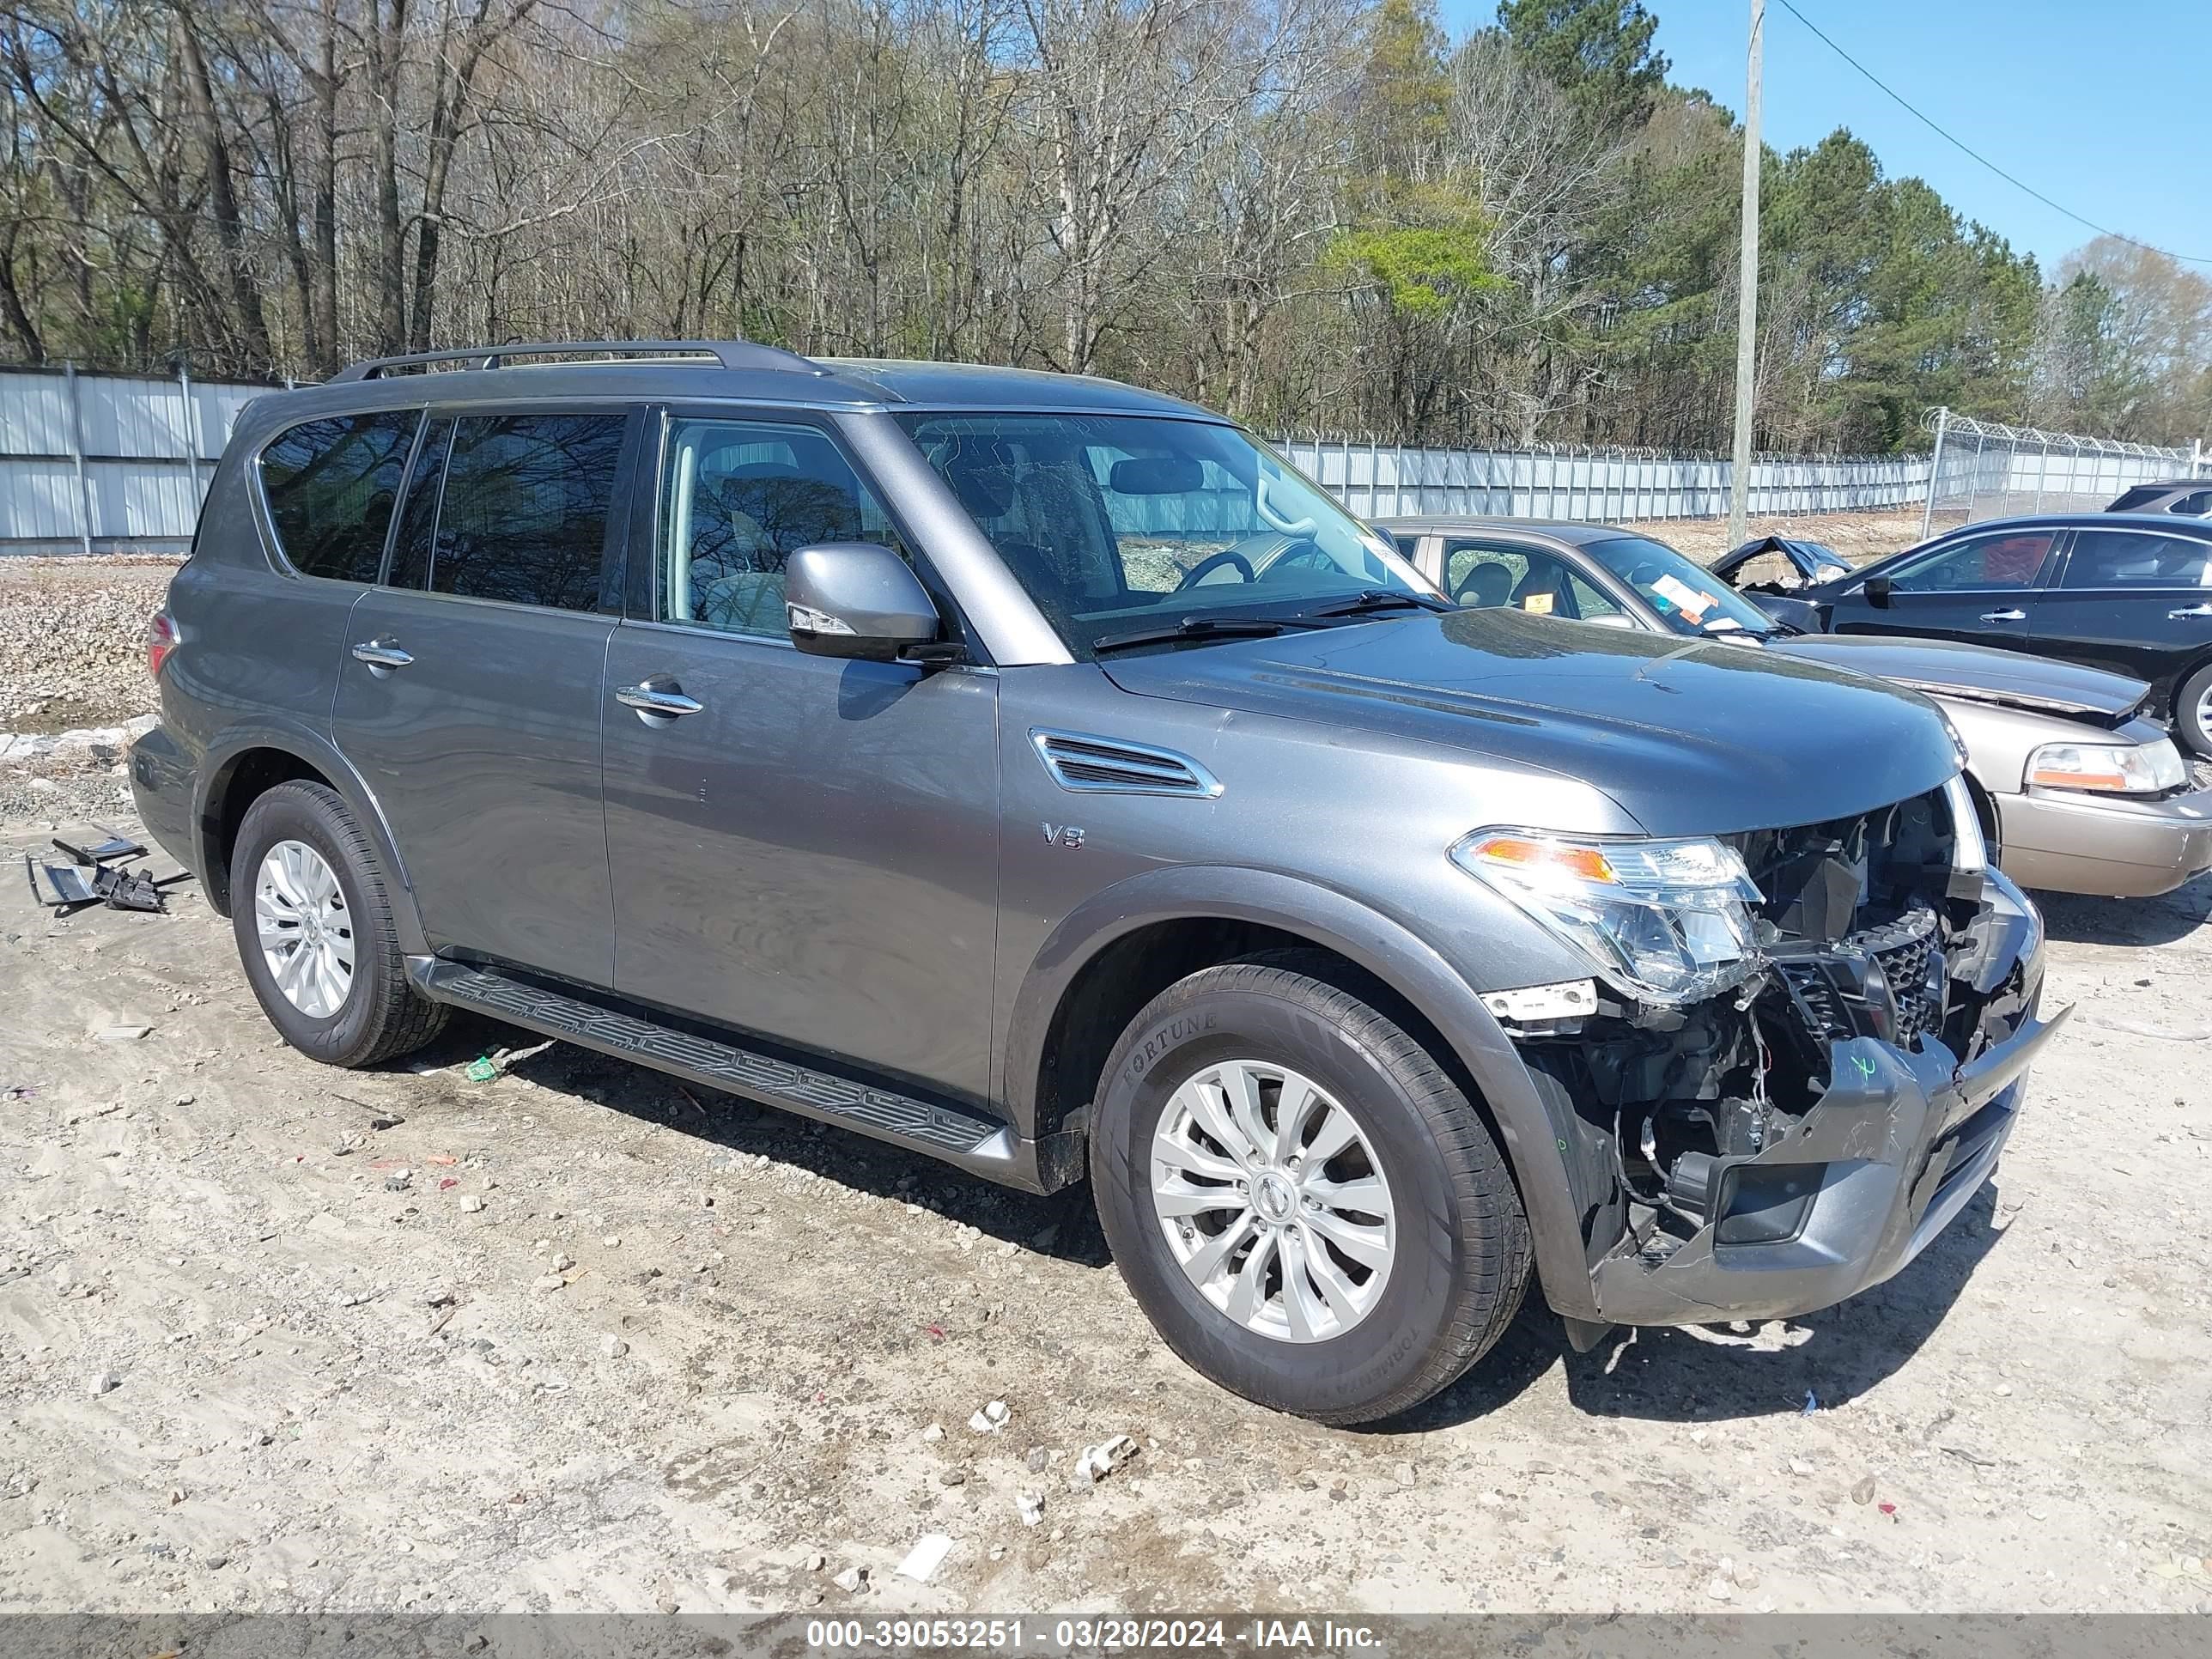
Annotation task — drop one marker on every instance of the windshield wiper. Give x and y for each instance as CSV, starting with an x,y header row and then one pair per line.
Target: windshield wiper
x,y
1197,628
1382,599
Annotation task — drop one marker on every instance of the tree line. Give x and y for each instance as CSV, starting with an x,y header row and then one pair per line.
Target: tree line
x,y
1313,214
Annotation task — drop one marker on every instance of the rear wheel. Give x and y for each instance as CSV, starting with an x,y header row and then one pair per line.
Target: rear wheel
x,y
1303,1202
2192,712
314,929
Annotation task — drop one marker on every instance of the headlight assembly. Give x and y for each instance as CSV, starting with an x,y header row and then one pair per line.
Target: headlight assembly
x,y
2111,768
1666,921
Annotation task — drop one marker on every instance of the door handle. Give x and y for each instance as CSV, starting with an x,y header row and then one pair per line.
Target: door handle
x,y
2004,616
2189,610
377,655
651,699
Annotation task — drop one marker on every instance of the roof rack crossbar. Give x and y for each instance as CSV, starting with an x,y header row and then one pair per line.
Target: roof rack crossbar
x,y
729,354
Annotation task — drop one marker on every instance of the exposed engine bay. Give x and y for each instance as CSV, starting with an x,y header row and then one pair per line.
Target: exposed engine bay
x,y
1869,928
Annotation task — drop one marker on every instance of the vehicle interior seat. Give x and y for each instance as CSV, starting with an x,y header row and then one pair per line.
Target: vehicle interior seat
x,y
1056,530
2012,560
745,523
1487,585
2183,564
1545,581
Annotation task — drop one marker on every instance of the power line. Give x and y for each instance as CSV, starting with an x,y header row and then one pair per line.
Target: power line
x,y
1960,144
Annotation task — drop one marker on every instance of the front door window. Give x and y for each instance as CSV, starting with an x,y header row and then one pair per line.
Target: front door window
x,y
743,497
1976,565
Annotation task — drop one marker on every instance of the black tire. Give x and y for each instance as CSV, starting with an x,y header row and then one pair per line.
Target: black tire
x,y
381,1016
1460,1264
2189,723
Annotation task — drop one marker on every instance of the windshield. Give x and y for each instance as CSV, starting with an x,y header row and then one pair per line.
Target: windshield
x,y
1687,595
1125,525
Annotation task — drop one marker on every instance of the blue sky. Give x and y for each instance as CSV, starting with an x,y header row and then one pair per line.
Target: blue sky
x,y
2106,109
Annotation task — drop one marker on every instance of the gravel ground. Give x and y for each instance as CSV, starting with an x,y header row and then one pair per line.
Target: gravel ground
x,y
274,1337
73,662
73,638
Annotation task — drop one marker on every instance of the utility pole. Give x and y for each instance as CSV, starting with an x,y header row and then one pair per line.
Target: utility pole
x,y
1747,313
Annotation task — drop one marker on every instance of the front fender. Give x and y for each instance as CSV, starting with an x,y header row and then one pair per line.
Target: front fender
x,y
219,769
1535,1141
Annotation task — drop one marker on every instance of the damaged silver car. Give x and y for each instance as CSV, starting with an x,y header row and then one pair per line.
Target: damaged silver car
x,y
2079,788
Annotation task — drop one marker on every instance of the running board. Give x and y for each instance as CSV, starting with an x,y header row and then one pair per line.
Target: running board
x,y
964,1138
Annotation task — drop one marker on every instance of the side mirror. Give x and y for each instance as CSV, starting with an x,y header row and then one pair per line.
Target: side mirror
x,y
856,599
1877,590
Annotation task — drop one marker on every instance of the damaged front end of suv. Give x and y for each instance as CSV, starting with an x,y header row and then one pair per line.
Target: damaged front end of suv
x,y
1804,1052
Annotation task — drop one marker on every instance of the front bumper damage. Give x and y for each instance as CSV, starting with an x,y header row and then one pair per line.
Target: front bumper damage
x,y
1774,1149
1896,1146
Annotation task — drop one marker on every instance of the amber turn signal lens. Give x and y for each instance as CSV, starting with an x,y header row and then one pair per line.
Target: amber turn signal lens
x,y
1520,853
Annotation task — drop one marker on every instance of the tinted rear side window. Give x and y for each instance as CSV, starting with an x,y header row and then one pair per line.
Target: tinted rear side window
x,y
2137,558
330,486
525,513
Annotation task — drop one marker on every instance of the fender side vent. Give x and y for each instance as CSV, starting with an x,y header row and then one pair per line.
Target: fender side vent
x,y
1092,765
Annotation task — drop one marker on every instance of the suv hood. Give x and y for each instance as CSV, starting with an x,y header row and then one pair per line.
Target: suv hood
x,y
1690,737
1976,673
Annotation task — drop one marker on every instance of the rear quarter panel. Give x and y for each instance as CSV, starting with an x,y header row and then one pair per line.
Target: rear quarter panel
x,y
252,638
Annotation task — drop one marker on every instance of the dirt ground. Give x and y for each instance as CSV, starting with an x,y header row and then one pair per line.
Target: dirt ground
x,y
274,1337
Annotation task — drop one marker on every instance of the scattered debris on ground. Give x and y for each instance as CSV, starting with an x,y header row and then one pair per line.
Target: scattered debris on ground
x,y
97,873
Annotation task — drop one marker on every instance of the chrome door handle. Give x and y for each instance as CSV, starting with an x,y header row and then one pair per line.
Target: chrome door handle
x,y
377,655
2004,616
2189,610
650,700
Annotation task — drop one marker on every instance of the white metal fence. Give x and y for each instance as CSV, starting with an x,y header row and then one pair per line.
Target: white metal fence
x,y
1381,481
1981,470
108,462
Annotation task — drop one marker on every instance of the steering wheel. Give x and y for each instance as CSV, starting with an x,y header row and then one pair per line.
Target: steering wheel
x,y
1198,572
1302,550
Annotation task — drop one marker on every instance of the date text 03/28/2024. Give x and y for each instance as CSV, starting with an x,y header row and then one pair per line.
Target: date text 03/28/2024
x,y
1096,1634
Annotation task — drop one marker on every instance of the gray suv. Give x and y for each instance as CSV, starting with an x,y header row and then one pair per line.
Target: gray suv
x,y
1036,773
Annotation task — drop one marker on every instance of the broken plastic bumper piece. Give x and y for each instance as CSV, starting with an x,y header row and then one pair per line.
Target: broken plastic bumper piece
x,y
1895,1148
89,879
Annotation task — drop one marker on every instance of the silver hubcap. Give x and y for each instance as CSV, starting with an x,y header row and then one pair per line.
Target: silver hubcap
x,y
2204,710
306,930
1273,1201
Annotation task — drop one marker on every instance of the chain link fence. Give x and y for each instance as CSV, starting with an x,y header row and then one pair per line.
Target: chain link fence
x,y
1982,469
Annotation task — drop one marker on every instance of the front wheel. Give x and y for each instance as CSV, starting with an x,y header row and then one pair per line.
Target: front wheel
x,y
1306,1206
2192,712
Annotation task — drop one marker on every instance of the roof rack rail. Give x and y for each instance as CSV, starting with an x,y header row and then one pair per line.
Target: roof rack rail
x,y
729,354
